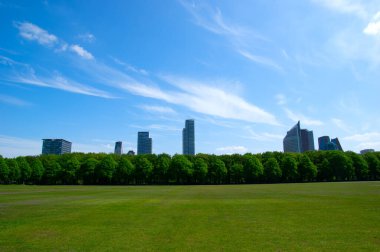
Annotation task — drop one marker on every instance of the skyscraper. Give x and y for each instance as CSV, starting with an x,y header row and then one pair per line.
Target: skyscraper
x,y
55,146
119,148
144,143
325,143
188,138
298,140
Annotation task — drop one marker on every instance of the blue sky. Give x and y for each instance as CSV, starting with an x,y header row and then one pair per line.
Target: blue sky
x,y
95,73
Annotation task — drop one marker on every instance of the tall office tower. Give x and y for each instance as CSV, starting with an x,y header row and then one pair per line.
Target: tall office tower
x,y
298,140
337,143
119,148
307,140
55,146
292,140
323,142
188,138
144,143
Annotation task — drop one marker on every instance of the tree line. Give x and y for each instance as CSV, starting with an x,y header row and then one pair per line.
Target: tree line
x,y
268,167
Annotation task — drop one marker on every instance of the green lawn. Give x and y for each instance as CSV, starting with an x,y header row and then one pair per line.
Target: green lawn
x,y
281,217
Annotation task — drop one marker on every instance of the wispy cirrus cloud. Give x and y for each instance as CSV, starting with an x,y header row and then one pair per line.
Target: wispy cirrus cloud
x,y
345,6
373,27
240,38
231,150
81,52
32,32
87,37
370,140
262,136
158,109
13,101
129,67
299,117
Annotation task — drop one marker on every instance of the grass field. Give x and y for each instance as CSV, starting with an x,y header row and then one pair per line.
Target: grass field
x,y
280,217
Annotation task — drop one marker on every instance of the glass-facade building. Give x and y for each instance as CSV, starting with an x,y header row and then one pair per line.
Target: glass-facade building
x,y
325,143
119,148
55,146
298,140
144,143
188,138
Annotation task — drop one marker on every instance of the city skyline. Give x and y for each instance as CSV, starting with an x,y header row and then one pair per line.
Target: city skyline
x,y
243,71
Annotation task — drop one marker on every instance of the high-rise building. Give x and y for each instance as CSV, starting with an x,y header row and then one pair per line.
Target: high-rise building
x,y
131,153
188,138
298,140
307,140
366,151
55,146
119,148
325,143
337,143
144,143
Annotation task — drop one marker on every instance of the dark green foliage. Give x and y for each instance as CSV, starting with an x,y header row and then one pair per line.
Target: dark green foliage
x,y
144,169
253,168
105,169
124,171
373,165
4,171
272,170
289,168
272,167
25,169
200,170
306,169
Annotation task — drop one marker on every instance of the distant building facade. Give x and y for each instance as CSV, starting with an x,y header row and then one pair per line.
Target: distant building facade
x,y
119,148
131,153
144,143
325,143
298,140
188,138
366,151
55,146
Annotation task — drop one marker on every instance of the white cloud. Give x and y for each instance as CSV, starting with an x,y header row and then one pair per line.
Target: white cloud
x,y
345,6
369,140
299,117
30,31
130,67
240,38
340,124
281,99
232,150
373,27
87,37
261,136
158,109
15,146
13,101
81,52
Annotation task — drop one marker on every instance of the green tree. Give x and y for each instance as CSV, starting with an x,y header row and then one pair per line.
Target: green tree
x,y
325,172
87,170
70,166
124,171
161,169
25,169
105,169
52,169
217,170
182,168
14,170
37,170
306,169
4,171
341,165
144,169
236,173
253,168
360,165
272,170
200,170
289,167
373,165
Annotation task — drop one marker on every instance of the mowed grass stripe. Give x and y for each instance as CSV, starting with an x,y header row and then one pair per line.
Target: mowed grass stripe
x,y
277,217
